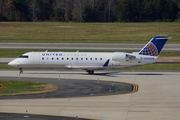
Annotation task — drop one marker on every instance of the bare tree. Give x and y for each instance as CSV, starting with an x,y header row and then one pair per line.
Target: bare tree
x,y
8,10
35,8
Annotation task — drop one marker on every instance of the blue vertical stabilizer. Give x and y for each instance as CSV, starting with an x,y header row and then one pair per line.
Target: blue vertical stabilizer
x,y
154,46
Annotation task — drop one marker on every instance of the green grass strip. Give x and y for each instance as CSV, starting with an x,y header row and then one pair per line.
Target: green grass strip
x,y
157,67
22,87
87,32
5,66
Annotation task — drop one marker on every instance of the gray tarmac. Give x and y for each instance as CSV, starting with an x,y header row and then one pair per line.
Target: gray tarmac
x,y
67,88
83,46
158,96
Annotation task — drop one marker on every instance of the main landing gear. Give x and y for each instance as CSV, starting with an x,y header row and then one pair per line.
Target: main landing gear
x,y
20,70
90,71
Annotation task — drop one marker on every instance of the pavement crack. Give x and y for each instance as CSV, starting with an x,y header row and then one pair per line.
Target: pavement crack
x,y
64,106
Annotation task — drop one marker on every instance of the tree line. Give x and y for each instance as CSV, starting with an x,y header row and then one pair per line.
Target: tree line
x,y
89,10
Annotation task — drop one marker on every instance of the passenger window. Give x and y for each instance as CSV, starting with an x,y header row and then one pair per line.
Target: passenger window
x,y
57,58
52,58
76,58
86,58
62,58
100,58
95,58
81,58
42,58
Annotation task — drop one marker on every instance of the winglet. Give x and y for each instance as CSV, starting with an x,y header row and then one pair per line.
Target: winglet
x,y
106,63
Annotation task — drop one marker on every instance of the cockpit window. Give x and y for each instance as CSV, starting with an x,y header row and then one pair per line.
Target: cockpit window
x,y
23,56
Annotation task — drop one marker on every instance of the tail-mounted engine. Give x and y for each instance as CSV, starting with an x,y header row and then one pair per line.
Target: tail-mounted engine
x,y
118,56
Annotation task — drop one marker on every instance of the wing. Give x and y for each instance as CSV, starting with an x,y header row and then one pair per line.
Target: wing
x,y
89,66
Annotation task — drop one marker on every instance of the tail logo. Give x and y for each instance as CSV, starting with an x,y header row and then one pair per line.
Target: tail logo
x,y
150,49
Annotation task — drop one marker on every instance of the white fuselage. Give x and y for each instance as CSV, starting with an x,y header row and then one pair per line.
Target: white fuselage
x,y
81,60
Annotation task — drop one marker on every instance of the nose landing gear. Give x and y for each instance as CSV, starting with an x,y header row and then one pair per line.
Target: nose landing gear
x,y
20,70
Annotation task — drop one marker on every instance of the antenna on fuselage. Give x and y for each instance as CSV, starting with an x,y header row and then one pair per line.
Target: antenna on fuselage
x,y
77,51
46,51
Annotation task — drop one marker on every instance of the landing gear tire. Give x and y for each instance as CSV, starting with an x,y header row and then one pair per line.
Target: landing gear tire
x,y
20,71
90,72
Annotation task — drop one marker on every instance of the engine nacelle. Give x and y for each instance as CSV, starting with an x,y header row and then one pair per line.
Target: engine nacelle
x,y
117,56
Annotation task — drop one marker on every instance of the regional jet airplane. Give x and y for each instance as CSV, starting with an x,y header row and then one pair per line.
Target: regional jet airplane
x,y
91,61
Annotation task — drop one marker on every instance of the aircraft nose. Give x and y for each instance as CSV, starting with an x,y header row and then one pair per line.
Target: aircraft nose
x,y
12,63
